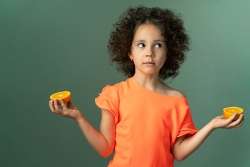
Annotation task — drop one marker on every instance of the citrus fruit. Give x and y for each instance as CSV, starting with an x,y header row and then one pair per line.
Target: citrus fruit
x,y
62,95
229,111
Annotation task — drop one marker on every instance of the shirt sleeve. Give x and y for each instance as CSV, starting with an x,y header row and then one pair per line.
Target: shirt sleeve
x,y
182,121
108,99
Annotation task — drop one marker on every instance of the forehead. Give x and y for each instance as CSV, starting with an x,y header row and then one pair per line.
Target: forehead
x,y
148,31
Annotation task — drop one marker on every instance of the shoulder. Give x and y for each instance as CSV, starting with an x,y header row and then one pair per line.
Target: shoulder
x,y
173,91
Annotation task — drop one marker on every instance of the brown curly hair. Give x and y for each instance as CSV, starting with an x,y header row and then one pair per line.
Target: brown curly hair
x,y
171,27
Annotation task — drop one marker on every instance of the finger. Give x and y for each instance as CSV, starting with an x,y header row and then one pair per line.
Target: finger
x,y
64,111
51,106
227,121
241,121
243,117
232,118
64,107
236,122
57,107
238,126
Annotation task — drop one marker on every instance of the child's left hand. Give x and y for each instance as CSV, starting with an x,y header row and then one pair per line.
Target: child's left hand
x,y
232,122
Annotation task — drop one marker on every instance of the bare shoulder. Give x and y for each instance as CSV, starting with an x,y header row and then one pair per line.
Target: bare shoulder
x,y
175,92
172,91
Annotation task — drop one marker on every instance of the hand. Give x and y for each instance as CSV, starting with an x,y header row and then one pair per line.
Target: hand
x,y
233,122
60,108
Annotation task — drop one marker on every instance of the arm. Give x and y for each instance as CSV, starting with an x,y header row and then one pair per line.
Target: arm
x,y
102,141
184,146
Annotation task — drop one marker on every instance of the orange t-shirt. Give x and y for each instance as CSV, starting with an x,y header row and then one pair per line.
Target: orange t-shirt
x,y
147,124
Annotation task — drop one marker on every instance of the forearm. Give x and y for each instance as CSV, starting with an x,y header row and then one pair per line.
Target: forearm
x,y
184,148
93,136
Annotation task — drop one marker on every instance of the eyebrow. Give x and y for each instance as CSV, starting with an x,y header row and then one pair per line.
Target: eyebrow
x,y
157,40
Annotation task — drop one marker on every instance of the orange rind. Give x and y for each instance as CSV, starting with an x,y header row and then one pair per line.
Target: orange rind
x,y
229,111
62,95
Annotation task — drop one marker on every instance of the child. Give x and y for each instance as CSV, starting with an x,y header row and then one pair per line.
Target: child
x,y
144,121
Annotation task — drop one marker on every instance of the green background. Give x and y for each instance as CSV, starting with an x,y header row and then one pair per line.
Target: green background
x,y
51,45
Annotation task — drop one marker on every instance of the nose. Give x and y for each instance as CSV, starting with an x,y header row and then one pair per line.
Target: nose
x,y
149,58
149,52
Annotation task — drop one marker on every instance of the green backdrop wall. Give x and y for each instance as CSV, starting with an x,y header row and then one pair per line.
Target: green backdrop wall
x,y
52,45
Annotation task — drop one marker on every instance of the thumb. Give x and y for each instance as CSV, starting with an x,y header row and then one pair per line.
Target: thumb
x,y
232,118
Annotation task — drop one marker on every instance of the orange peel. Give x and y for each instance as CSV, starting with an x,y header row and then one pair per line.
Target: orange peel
x,y
62,95
229,111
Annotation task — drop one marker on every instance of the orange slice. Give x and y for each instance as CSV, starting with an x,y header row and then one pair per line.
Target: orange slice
x,y
229,111
62,95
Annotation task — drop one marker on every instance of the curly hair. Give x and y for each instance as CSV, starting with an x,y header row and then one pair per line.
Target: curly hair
x,y
171,27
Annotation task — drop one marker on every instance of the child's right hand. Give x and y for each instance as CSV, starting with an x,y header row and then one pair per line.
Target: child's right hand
x,y
232,122
60,108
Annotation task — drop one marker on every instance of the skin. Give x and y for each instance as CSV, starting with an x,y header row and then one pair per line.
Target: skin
x,y
147,46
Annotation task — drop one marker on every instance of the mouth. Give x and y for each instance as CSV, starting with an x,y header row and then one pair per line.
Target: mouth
x,y
151,63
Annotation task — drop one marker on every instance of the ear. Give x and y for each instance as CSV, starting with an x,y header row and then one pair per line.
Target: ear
x,y
130,56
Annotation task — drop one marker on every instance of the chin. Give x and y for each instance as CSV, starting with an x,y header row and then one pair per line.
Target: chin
x,y
150,72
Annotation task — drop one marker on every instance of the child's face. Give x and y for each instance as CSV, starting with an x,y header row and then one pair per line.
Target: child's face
x,y
148,50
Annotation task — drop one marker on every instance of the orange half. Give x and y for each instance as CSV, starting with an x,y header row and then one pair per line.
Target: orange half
x,y
62,95
229,111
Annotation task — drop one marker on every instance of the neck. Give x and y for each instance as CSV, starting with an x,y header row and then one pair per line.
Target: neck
x,y
149,82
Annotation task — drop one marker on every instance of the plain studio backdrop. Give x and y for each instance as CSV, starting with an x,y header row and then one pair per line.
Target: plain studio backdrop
x,y
52,45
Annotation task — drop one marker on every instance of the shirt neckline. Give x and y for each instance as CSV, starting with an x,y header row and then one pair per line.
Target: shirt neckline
x,y
139,87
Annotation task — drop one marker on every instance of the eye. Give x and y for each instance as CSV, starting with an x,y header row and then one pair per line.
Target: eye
x,y
158,45
141,45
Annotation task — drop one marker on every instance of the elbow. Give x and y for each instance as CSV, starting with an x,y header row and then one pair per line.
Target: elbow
x,y
180,157
106,153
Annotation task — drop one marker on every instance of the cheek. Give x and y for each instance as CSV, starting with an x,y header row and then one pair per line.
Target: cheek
x,y
137,61
162,59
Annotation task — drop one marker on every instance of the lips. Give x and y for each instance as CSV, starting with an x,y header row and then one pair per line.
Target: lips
x,y
149,63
